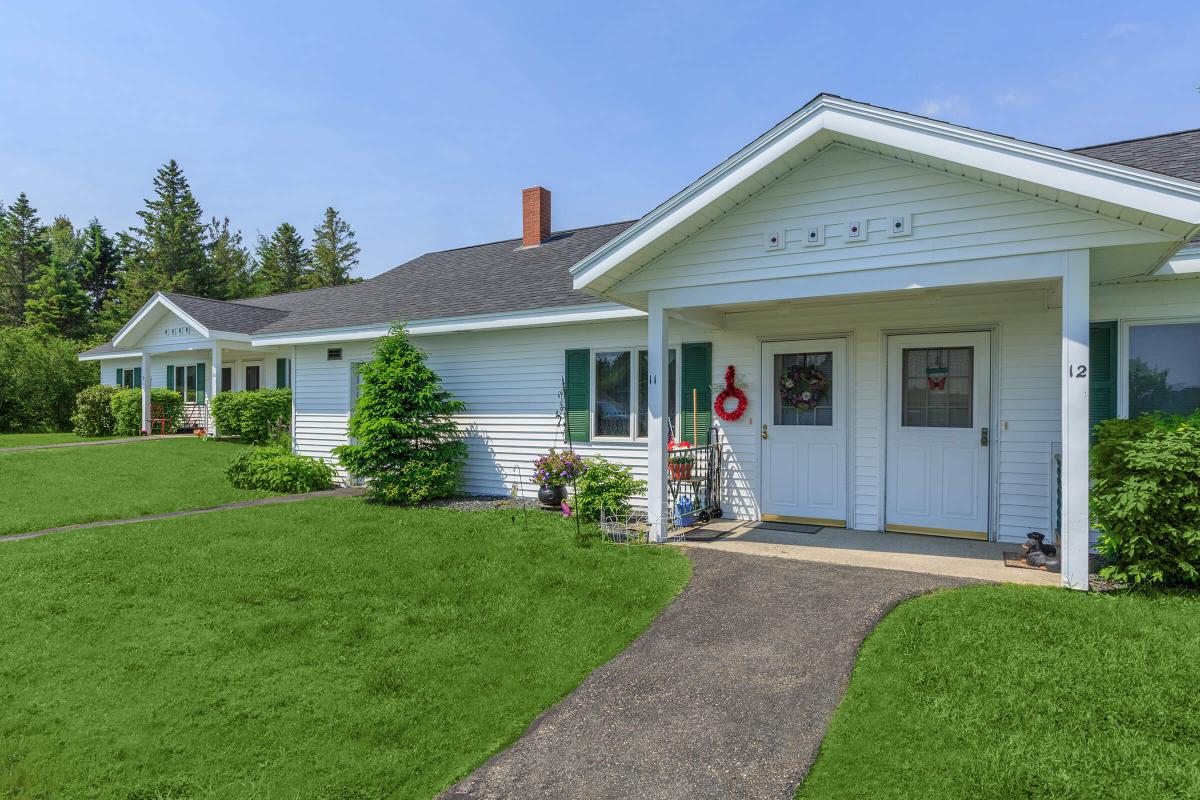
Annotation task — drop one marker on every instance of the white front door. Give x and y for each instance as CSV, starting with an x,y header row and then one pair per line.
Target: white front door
x,y
804,431
938,411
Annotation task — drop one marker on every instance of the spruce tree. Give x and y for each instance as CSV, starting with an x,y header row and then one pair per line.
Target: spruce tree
x,y
56,304
229,261
166,253
99,265
283,261
407,444
335,251
24,253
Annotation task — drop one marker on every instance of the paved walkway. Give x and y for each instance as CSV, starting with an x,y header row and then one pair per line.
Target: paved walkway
x,y
93,442
727,694
261,501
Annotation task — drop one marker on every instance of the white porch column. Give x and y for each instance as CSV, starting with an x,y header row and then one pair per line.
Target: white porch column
x,y
1075,428
656,457
146,392
214,385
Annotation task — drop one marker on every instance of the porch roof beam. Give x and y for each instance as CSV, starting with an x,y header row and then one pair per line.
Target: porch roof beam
x,y
1010,269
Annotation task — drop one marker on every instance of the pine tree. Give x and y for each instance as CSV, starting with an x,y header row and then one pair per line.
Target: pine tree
x,y
335,251
56,303
283,261
99,265
229,261
167,252
407,443
24,253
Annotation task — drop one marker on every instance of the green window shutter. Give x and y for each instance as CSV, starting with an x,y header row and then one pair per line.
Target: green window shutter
x,y
199,383
171,377
697,375
137,377
281,373
1102,372
578,373
120,378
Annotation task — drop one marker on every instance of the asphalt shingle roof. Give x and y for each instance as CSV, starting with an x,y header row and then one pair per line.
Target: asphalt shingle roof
x,y
1174,154
484,279
504,277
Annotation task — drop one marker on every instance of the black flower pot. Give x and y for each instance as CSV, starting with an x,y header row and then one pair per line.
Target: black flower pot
x,y
551,496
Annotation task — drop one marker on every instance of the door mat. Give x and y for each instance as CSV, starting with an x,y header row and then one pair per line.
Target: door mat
x,y
703,534
1017,560
789,527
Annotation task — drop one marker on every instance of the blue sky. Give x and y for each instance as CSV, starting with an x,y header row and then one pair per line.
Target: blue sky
x,y
421,123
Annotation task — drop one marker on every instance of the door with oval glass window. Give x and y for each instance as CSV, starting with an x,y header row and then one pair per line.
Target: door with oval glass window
x,y
938,411
804,431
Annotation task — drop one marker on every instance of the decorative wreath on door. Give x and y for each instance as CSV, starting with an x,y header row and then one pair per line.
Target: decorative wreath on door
x,y
730,392
802,388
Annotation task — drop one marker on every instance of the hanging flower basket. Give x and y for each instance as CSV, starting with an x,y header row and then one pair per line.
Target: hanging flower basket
x,y
802,388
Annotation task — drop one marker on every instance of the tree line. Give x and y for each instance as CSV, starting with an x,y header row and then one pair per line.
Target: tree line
x,y
83,284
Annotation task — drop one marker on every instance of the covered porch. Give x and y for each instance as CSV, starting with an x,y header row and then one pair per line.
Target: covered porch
x,y
950,402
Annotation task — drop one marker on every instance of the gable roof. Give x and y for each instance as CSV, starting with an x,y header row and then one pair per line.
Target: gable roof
x,y
1155,200
494,278
503,277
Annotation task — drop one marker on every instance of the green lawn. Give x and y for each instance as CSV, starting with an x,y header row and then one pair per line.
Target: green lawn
x,y
1021,692
326,649
28,439
46,488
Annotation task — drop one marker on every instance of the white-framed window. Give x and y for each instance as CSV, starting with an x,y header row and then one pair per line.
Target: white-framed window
x,y
620,392
1161,367
185,384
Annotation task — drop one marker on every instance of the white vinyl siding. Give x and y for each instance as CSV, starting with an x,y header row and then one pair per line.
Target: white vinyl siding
x,y
952,219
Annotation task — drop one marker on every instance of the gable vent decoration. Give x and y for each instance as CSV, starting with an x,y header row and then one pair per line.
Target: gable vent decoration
x,y
333,354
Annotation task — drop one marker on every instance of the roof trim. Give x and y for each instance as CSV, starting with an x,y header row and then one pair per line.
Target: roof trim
x,y
156,300
1173,198
562,315
110,355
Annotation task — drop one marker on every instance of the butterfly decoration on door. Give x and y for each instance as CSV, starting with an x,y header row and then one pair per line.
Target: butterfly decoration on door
x,y
936,375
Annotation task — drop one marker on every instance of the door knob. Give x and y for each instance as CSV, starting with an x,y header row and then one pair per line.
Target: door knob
x,y
764,433
983,437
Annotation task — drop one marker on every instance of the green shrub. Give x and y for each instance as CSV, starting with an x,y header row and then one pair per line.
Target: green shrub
x,y
93,411
605,484
407,444
39,379
127,409
275,470
1146,499
254,416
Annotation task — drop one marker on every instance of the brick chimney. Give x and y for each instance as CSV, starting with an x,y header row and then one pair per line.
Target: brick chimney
x,y
535,216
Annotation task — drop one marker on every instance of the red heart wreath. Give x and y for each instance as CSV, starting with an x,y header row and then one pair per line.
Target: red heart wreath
x,y
730,392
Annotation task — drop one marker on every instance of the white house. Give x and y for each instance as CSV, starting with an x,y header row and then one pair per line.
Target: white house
x,y
970,300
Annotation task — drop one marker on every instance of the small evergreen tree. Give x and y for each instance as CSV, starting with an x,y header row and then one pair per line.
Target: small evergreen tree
x,y
283,261
335,251
407,443
229,261
24,252
99,265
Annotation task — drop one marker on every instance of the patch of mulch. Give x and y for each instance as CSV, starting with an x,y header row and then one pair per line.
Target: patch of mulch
x,y
482,502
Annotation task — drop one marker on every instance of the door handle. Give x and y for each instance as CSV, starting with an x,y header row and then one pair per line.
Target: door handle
x,y
983,437
764,433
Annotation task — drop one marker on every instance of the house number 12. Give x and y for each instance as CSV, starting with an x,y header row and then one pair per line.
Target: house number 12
x,y
1074,371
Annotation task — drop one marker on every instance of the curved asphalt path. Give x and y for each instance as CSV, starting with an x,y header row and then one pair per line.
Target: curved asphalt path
x,y
727,694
